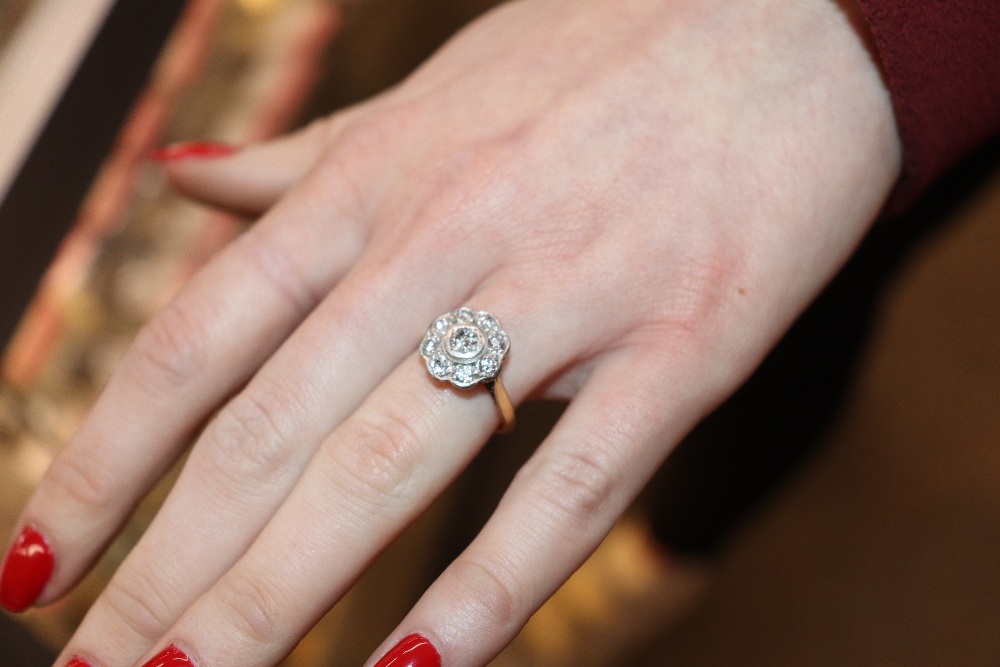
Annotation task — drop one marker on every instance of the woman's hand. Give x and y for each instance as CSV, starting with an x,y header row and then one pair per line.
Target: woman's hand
x,y
645,193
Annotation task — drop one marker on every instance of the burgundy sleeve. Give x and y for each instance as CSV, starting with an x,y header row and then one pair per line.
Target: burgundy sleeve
x,y
942,64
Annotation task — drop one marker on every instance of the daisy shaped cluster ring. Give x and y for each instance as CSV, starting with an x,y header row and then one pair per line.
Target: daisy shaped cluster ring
x,y
465,347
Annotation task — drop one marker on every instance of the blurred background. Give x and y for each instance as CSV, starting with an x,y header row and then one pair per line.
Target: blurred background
x,y
874,539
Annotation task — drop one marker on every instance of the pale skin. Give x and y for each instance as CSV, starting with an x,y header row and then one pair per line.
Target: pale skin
x,y
645,193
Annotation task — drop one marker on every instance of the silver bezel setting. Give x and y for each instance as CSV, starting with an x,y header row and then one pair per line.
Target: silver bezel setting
x,y
465,347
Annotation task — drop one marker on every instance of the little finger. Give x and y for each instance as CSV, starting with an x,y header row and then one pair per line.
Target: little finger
x,y
197,351
558,509
251,179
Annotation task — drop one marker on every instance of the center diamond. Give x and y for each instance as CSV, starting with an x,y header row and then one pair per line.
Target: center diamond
x,y
464,342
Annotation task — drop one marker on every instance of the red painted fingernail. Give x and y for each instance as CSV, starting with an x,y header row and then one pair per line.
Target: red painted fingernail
x,y
171,657
77,661
192,150
414,651
26,570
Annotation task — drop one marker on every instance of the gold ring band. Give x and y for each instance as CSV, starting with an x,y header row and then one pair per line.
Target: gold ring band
x,y
505,408
468,347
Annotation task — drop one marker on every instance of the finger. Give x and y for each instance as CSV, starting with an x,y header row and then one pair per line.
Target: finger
x,y
374,474
560,506
251,180
192,355
248,459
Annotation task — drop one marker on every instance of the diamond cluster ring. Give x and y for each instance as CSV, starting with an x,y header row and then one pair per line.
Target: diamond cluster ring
x,y
467,347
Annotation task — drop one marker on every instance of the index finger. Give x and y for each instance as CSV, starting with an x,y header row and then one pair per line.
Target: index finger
x,y
252,179
197,351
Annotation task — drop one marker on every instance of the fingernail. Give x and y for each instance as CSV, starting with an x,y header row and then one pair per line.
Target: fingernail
x,y
77,661
414,651
192,150
26,570
171,657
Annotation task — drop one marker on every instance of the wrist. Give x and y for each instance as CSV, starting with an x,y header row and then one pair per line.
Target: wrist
x,y
844,39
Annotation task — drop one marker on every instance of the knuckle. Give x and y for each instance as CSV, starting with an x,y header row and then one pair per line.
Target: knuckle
x,y
576,485
321,131
136,602
702,291
473,181
267,253
362,135
171,348
251,436
383,129
378,456
253,606
84,482
486,591
350,150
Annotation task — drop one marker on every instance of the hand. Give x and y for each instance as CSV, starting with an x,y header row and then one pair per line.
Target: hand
x,y
645,193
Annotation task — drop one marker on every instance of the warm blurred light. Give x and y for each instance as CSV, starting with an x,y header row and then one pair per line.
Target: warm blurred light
x,y
33,458
259,6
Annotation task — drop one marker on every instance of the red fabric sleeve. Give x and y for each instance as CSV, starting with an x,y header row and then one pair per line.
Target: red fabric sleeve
x,y
942,65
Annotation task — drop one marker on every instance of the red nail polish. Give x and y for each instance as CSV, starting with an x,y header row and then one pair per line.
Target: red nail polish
x,y
77,661
193,150
26,570
414,651
170,657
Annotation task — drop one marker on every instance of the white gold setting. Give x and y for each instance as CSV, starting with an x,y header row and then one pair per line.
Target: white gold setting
x,y
465,347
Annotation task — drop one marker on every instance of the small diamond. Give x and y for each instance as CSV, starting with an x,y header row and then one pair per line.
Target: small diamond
x,y
464,315
464,375
429,347
486,322
488,367
439,367
442,323
498,343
